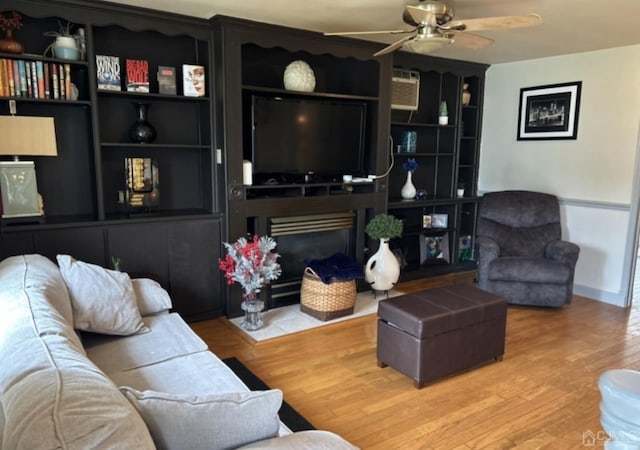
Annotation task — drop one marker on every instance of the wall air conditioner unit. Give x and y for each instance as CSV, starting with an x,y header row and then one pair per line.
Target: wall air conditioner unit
x,y
405,89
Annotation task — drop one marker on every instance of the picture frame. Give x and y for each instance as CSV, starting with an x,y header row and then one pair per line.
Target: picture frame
x,y
434,249
549,112
426,221
439,220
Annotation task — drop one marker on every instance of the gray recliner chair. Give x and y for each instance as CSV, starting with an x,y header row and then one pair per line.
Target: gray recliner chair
x,y
521,256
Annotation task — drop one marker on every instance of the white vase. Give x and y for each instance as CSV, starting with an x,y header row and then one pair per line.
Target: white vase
x,y
383,269
408,191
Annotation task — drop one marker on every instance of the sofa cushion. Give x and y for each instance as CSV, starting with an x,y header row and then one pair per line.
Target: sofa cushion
x,y
150,296
103,300
168,337
214,421
529,270
52,396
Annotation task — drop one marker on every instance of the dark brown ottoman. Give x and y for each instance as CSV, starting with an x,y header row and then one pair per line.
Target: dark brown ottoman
x,y
437,332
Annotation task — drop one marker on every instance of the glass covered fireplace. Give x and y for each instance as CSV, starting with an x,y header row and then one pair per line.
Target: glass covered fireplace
x,y
304,237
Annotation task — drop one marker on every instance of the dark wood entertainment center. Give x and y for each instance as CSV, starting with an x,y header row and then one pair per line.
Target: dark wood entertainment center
x,y
202,142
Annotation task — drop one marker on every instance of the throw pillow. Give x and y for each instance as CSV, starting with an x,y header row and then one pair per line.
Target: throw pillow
x,y
151,297
212,421
103,300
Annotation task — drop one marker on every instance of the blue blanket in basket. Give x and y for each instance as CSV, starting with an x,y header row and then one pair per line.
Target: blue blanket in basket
x,y
338,266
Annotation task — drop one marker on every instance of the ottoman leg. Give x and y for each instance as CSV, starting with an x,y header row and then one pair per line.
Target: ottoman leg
x,y
418,384
381,364
499,357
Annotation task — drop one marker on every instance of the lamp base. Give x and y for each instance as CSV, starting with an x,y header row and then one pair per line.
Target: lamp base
x,y
19,190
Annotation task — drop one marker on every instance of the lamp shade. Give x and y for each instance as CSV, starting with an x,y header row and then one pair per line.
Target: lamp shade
x,y
25,135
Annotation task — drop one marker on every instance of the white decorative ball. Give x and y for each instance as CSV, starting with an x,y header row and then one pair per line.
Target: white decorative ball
x,y
298,76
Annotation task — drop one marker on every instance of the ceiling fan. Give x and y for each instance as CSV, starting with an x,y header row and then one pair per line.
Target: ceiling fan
x,y
433,28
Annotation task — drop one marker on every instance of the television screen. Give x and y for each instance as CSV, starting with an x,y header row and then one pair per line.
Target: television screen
x,y
300,136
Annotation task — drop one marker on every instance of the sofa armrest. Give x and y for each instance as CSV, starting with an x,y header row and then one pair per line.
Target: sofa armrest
x,y
564,252
488,250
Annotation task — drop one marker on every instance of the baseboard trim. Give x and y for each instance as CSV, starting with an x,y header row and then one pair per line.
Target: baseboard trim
x,y
611,298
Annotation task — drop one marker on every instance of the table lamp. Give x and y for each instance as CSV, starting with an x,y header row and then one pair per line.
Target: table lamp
x,y
21,136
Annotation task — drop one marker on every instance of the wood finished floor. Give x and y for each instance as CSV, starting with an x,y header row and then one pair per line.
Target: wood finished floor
x,y
543,395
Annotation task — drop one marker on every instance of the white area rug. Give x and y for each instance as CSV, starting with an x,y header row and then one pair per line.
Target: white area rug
x,y
289,319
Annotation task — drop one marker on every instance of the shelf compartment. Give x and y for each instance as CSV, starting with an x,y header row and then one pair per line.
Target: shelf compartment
x,y
283,92
151,96
264,67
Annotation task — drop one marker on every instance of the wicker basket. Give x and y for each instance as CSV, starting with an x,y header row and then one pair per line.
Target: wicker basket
x,y
326,301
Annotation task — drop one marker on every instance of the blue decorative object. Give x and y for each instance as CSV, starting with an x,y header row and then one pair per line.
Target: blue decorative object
x,y
411,164
338,266
421,194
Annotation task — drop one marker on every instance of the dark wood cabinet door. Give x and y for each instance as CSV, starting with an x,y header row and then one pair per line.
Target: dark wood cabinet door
x,y
194,249
84,244
142,250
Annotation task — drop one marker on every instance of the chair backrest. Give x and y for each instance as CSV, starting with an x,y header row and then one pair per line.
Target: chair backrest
x,y
522,222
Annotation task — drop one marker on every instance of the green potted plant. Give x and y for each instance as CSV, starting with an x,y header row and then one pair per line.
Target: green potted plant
x,y
443,114
384,226
383,269
460,190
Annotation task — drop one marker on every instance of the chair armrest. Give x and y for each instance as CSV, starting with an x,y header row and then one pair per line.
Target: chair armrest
x,y
564,252
488,250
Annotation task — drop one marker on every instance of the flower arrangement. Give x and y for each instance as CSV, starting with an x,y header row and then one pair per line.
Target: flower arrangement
x,y
14,22
410,164
251,263
384,226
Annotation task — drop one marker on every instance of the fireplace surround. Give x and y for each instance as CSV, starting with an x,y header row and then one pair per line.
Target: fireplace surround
x,y
309,236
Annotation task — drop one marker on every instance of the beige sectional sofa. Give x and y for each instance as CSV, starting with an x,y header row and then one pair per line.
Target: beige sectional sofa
x,y
153,383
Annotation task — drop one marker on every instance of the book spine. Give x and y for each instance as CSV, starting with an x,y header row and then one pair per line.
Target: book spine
x,y
3,70
47,81
27,67
16,77
63,83
22,69
12,86
40,74
55,81
34,79
67,80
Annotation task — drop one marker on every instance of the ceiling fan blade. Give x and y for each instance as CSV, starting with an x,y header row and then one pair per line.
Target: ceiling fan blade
x,y
341,33
472,41
396,45
498,23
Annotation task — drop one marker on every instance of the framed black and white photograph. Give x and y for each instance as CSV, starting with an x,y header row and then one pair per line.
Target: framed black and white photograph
x,y
549,112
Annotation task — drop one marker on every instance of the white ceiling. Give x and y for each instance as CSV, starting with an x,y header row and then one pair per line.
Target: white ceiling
x,y
569,26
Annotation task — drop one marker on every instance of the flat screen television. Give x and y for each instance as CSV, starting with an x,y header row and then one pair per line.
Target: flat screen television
x,y
299,136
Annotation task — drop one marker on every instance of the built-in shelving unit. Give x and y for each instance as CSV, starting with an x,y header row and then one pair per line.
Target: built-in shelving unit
x,y
85,211
447,155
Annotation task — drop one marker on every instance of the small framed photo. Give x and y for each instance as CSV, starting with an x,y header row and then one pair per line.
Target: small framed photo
x,y
549,112
439,220
426,221
434,249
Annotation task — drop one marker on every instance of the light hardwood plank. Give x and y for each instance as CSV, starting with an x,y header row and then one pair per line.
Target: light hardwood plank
x,y
543,394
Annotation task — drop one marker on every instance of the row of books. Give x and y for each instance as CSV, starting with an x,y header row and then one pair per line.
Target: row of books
x,y
110,74
35,79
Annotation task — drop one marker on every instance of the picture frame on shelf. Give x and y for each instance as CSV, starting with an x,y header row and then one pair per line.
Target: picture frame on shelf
x,y
426,221
465,248
549,112
434,249
439,220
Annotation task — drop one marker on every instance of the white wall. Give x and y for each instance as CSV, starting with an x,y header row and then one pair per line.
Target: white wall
x,y
593,175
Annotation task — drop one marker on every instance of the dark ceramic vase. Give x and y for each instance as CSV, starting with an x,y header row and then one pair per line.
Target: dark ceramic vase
x,y
142,131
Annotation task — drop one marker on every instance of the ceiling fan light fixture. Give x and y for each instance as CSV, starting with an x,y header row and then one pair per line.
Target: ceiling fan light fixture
x,y
428,45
